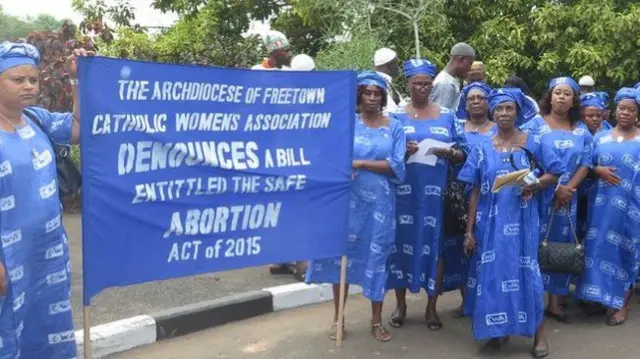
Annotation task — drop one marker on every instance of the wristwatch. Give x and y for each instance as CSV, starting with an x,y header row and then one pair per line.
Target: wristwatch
x,y
74,82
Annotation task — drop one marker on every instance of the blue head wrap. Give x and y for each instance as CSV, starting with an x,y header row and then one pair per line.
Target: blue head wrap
x,y
637,86
366,78
593,99
604,96
419,67
17,54
564,81
525,107
461,112
627,93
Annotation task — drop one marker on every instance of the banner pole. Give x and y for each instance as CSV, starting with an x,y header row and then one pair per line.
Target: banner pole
x,y
343,285
87,332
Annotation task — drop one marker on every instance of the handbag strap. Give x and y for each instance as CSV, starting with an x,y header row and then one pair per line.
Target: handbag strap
x,y
573,228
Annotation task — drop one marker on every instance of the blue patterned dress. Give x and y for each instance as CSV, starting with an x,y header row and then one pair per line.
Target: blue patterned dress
x,y
508,285
456,264
574,150
372,213
419,236
35,315
613,235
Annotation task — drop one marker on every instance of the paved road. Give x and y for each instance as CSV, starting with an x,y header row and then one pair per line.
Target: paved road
x,y
300,333
120,303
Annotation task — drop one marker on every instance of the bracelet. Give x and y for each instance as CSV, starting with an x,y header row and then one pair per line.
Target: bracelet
x,y
73,82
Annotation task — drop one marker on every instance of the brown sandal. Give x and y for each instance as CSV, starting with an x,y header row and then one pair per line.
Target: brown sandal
x,y
380,333
333,332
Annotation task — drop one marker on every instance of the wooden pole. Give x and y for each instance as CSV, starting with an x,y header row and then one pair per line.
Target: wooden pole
x,y
87,332
343,285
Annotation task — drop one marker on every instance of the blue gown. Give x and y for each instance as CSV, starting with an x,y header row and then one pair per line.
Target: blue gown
x,y
573,148
613,235
419,237
35,315
456,264
372,221
507,286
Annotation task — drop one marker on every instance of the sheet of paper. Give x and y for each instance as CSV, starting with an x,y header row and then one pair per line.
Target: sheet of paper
x,y
425,152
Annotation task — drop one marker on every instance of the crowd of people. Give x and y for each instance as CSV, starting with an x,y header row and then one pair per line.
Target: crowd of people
x,y
441,227
412,226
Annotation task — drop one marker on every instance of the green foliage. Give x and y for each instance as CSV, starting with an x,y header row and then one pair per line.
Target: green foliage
x,y
340,55
13,27
535,39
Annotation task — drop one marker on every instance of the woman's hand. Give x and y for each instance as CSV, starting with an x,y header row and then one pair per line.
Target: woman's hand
x,y
529,190
355,166
412,147
444,152
72,63
469,244
4,285
564,194
607,174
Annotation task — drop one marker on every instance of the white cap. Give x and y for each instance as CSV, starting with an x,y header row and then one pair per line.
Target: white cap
x,y
586,81
384,56
302,62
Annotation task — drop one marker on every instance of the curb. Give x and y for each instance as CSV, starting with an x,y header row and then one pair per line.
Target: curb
x,y
126,334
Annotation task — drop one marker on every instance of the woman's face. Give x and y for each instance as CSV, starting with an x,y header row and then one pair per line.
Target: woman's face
x,y
562,98
420,87
371,99
627,113
19,86
505,115
592,116
477,104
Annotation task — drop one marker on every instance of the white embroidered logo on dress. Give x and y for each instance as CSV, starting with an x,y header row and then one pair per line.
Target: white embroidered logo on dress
x,y
5,168
7,203
48,190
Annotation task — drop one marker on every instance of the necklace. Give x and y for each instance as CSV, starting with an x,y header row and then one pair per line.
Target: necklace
x,y
506,147
476,129
25,132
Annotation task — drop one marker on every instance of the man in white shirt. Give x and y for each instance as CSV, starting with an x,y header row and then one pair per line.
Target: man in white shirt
x,y
446,86
386,65
587,84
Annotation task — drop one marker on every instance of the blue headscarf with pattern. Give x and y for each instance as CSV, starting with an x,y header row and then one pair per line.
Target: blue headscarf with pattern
x,y
564,81
414,67
366,78
16,54
627,93
525,107
461,112
593,99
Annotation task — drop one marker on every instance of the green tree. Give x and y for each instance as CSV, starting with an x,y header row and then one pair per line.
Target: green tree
x,y
536,39
13,27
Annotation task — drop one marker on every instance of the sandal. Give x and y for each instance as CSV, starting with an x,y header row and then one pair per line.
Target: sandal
x,y
613,322
333,332
433,324
562,318
497,343
397,317
284,268
380,333
540,352
458,313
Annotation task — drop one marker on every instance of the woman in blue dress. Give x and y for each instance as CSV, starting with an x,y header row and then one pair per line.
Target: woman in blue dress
x,y
35,285
473,118
378,165
571,142
611,260
415,262
503,229
594,105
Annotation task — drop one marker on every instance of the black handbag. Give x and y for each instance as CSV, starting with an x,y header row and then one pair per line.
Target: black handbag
x,y
556,257
455,205
69,177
